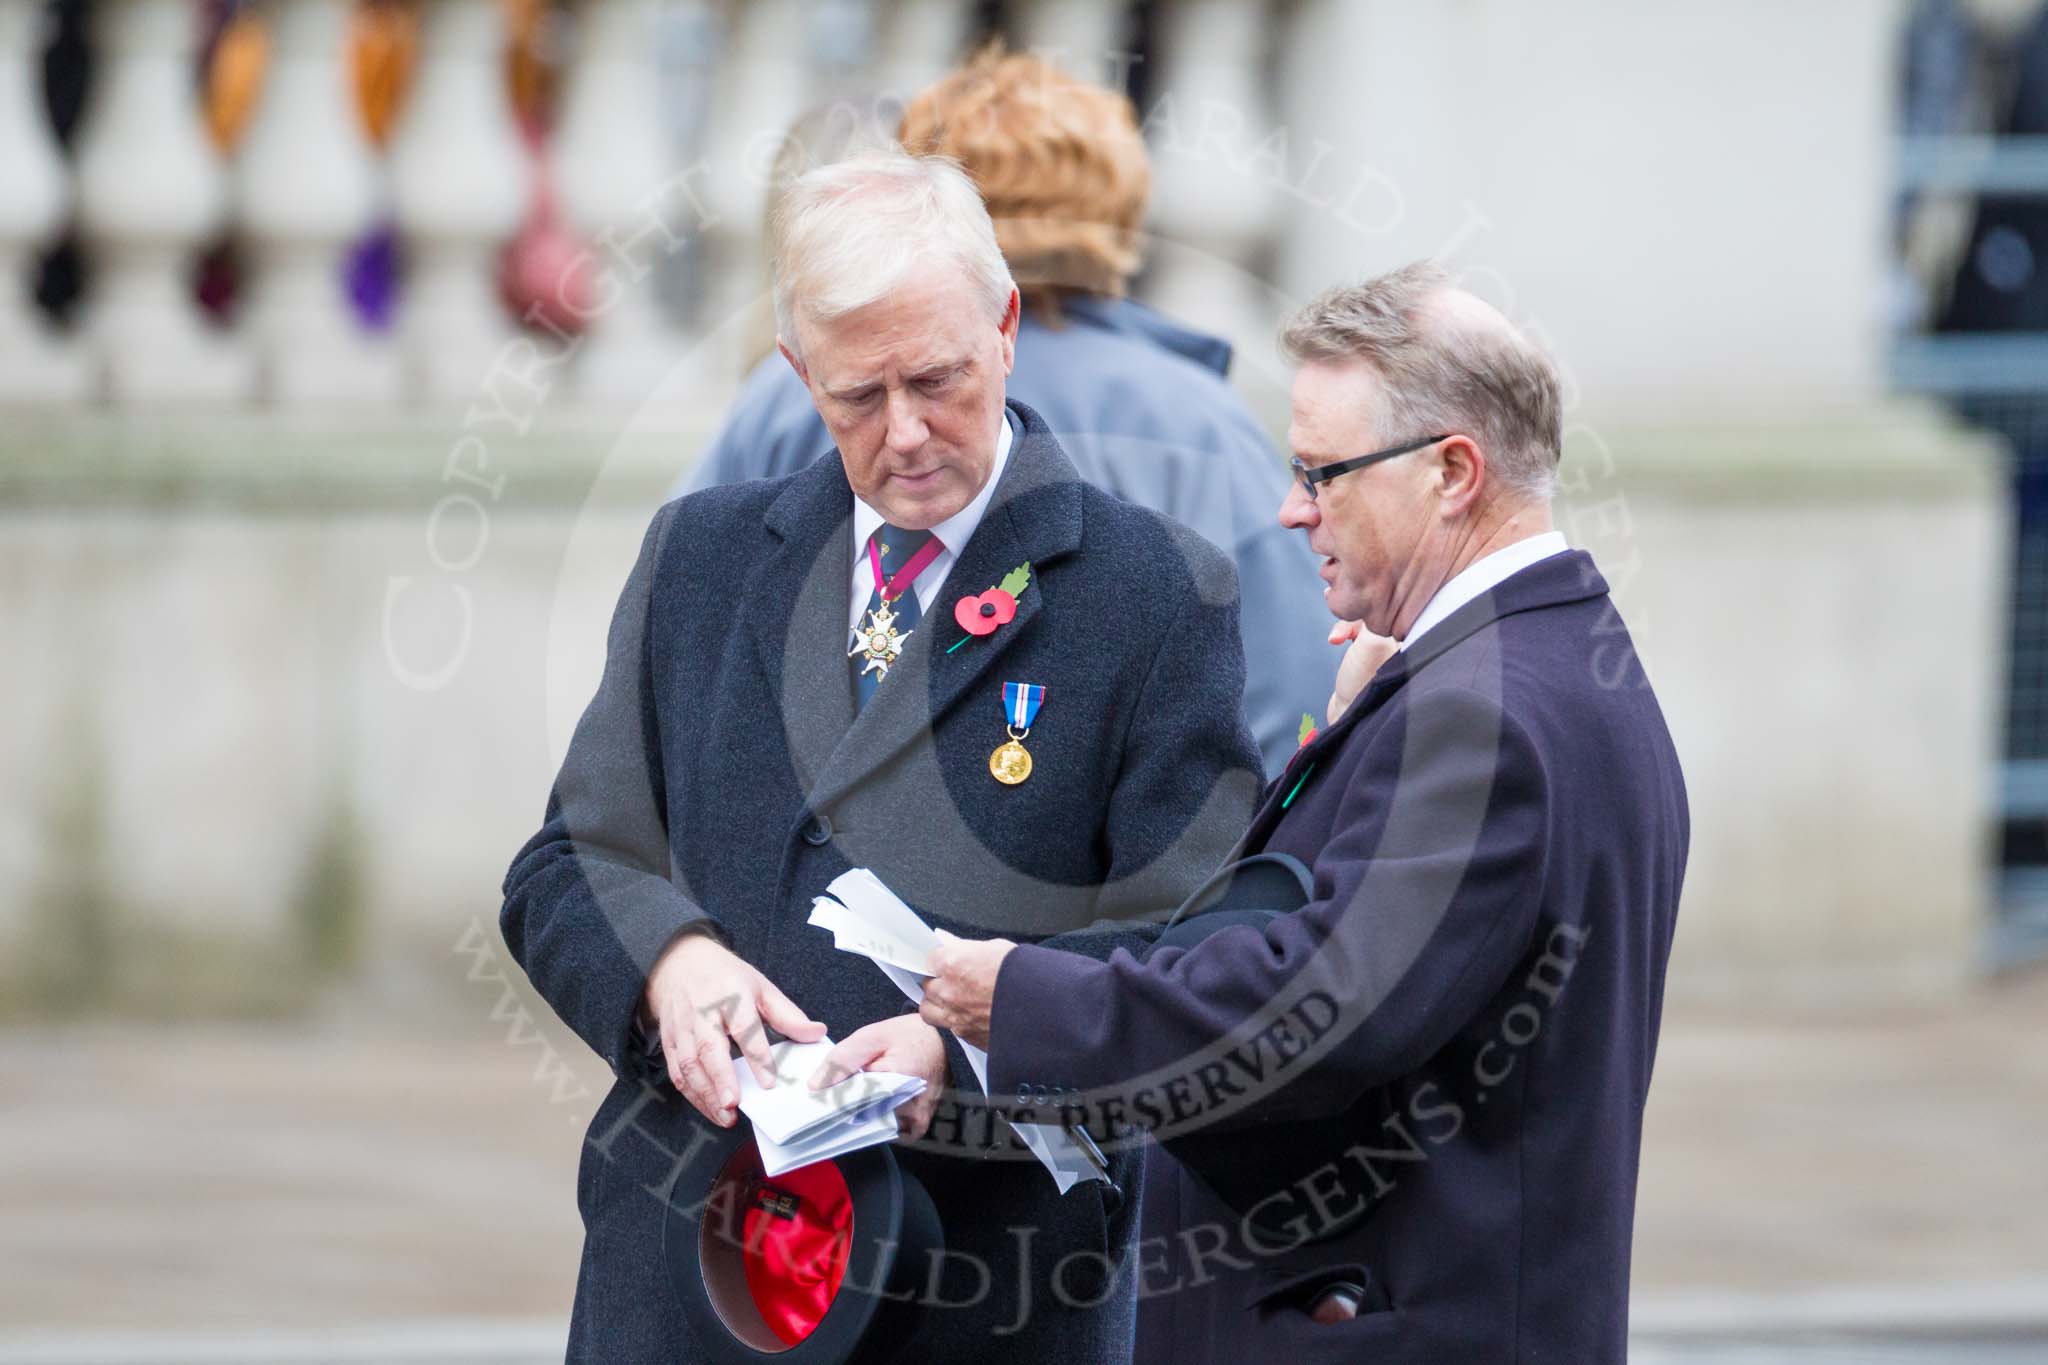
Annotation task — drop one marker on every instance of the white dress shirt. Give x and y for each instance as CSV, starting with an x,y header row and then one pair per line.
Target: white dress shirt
x,y
952,533
1483,575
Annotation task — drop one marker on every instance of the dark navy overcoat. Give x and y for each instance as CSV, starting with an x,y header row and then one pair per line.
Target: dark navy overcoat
x,y
1467,1009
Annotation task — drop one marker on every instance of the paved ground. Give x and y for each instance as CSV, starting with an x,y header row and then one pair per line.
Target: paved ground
x,y
191,1188
1895,1148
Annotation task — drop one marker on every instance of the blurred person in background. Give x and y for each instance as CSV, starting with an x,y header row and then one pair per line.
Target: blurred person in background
x,y
1142,404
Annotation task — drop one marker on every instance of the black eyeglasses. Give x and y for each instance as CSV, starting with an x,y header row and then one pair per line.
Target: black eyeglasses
x,y
1310,476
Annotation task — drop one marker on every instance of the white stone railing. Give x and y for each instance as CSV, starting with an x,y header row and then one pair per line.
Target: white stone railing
x,y
655,174
1580,161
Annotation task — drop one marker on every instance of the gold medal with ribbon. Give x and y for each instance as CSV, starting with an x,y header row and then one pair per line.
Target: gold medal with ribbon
x,y
1011,763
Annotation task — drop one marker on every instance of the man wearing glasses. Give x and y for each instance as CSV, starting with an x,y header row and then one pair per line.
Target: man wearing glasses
x,y
1457,1027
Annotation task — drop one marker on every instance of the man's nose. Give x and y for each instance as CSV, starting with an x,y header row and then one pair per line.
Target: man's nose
x,y
907,429
1298,511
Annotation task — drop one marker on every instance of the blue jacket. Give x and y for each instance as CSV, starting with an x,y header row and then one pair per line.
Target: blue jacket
x,y
722,773
1497,828
1142,407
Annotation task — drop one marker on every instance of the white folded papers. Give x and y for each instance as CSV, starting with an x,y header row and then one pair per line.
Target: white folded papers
x,y
795,1125
866,917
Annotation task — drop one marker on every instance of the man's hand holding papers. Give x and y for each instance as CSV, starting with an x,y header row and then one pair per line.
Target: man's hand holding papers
x,y
797,1124
867,918
905,1045
700,996
960,994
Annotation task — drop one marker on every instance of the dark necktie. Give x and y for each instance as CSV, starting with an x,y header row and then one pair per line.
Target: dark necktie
x,y
894,550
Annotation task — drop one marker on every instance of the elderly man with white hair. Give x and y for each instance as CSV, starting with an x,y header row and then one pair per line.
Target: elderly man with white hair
x,y
1407,1095
937,654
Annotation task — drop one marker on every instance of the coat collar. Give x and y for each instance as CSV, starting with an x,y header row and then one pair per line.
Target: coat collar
x,y
1035,515
1127,317
1557,581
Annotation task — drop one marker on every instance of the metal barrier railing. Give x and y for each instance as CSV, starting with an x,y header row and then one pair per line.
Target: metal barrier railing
x,y
1999,381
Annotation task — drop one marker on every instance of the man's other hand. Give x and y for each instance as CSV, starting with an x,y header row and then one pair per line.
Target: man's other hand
x,y
1368,651
702,995
905,1045
962,989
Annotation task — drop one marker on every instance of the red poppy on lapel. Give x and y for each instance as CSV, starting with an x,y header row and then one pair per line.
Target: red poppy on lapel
x,y
980,613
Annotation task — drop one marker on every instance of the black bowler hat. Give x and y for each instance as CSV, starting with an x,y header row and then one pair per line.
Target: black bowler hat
x,y
1250,891
826,1263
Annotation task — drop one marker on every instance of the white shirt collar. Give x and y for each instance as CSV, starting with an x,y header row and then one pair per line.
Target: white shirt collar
x,y
953,533
1482,576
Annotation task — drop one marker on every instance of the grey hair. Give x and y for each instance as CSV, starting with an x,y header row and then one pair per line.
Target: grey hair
x,y
1441,373
847,234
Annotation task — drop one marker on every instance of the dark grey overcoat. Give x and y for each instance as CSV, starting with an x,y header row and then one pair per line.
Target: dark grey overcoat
x,y
721,772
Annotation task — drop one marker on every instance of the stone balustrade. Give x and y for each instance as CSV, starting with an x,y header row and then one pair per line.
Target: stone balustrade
x,y
354,593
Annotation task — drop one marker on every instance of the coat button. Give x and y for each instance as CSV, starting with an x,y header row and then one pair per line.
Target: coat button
x,y
818,833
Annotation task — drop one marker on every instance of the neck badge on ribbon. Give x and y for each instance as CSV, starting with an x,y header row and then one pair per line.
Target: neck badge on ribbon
x,y
876,641
1010,764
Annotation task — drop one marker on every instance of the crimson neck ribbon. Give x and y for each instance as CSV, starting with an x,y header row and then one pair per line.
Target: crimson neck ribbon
x,y
900,581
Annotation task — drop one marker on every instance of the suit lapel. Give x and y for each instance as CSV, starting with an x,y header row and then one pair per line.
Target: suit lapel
x,y
1561,579
1319,751
1035,516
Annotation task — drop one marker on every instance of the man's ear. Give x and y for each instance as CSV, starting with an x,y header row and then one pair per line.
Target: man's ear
x,y
1461,476
1012,316
794,363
